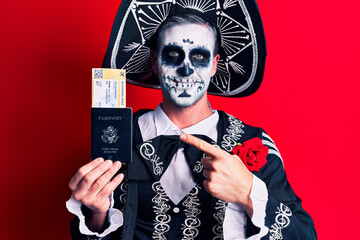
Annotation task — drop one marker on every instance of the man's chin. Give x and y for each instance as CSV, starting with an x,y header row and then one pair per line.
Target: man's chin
x,y
183,100
183,104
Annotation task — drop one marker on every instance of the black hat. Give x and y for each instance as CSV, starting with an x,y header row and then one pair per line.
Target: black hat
x,y
242,42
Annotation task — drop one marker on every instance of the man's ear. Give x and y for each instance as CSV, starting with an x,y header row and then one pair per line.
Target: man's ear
x,y
153,62
215,62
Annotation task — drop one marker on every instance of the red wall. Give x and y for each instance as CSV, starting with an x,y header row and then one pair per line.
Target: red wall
x,y
308,103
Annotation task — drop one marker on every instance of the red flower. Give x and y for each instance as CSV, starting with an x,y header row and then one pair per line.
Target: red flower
x,y
253,153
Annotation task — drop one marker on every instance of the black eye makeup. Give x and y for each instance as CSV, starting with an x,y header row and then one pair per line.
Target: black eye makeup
x,y
200,57
172,55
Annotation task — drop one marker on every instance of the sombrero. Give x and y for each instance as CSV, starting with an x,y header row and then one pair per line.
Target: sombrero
x,y
242,42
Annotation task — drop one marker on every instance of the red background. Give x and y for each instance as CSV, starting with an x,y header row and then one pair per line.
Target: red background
x,y
308,103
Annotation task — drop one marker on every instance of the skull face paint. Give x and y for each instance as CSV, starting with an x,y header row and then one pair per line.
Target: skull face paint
x,y
185,61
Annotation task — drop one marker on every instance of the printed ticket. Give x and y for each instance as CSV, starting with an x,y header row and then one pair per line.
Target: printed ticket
x,y
108,88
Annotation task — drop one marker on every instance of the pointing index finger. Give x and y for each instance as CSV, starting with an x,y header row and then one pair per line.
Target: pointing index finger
x,y
202,145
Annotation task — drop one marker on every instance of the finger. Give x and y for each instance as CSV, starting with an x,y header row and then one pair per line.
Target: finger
x,y
207,162
206,184
206,174
93,175
76,179
200,144
104,179
237,157
111,186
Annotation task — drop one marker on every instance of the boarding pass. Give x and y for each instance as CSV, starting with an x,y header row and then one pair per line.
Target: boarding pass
x,y
108,88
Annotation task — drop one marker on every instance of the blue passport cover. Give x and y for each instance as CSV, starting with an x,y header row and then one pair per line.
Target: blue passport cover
x,y
111,134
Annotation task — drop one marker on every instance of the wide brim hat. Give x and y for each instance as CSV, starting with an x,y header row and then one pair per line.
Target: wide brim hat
x,y
242,41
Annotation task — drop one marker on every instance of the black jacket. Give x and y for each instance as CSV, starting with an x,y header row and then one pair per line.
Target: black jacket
x,y
285,217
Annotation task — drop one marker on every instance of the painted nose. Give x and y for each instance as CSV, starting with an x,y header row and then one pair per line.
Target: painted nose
x,y
185,70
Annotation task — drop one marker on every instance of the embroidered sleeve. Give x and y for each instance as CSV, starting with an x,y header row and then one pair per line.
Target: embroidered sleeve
x,y
285,217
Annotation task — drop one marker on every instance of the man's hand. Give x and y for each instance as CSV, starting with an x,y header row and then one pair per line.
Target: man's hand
x,y
227,178
91,186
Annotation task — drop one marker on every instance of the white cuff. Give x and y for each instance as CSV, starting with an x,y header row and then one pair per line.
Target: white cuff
x,y
235,215
115,217
259,198
234,222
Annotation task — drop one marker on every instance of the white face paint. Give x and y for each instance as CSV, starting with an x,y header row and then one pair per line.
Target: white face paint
x,y
185,62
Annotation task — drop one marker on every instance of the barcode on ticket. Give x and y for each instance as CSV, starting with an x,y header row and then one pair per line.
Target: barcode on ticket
x,y
108,88
98,73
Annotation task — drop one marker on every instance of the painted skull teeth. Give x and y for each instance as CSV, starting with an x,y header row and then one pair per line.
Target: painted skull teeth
x,y
184,83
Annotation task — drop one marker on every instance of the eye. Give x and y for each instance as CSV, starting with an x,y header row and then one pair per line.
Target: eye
x,y
173,54
199,56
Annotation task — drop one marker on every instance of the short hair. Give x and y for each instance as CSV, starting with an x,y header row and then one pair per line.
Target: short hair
x,y
180,19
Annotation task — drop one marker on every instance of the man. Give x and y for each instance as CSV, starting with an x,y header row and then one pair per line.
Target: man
x,y
178,196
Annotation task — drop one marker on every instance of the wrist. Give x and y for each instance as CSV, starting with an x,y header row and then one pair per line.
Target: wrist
x,y
244,198
95,221
248,207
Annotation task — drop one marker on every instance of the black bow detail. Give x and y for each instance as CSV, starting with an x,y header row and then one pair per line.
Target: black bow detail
x,y
158,152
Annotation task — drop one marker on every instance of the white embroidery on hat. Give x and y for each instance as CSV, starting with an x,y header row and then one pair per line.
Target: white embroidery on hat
x,y
229,3
199,5
140,61
159,14
235,38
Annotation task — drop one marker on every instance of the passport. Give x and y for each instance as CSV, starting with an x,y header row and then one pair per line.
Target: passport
x,y
111,134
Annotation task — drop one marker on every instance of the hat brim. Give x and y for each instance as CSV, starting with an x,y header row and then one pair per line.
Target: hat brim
x,y
242,42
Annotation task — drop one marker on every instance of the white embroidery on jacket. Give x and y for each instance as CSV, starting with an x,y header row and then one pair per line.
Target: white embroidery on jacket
x,y
198,167
219,215
162,219
96,238
267,141
234,131
123,188
192,222
282,220
230,140
147,151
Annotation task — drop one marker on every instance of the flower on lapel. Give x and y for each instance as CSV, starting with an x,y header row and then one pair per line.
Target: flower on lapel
x,y
253,153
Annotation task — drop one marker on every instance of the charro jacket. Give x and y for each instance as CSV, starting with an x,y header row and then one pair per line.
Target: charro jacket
x,y
148,213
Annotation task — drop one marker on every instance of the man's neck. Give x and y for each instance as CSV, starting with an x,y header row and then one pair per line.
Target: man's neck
x,y
189,116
